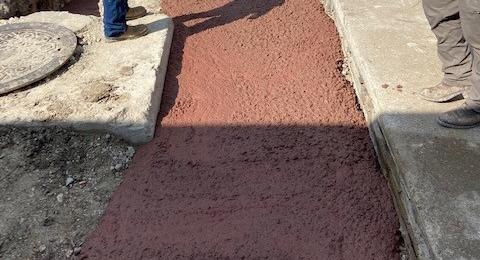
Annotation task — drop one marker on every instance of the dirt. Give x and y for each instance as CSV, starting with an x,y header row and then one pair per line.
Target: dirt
x,y
9,8
54,186
85,7
261,152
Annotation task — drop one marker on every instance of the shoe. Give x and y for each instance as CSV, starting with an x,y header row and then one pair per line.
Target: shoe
x,y
460,118
132,32
442,93
136,12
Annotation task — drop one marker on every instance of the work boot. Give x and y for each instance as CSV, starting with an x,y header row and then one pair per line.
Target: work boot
x,y
463,117
132,32
442,92
136,12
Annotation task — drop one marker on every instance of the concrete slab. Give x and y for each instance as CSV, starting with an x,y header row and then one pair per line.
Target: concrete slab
x,y
434,172
115,87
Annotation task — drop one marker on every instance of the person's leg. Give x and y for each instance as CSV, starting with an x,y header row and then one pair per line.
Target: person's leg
x,y
468,115
115,17
470,16
453,50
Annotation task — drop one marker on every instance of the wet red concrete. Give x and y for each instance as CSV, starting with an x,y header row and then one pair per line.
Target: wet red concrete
x,y
260,154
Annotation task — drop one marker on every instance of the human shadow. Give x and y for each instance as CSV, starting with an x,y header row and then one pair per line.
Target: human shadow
x,y
84,7
233,11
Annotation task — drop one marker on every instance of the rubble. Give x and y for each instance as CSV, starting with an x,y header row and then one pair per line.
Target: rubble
x,y
10,8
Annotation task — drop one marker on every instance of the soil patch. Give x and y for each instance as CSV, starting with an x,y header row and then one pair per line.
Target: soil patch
x,y
9,8
54,186
85,7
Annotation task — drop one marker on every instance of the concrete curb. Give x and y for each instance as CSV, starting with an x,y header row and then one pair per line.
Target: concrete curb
x,y
414,241
403,128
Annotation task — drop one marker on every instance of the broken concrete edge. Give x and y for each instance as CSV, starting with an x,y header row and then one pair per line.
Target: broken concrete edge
x,y
147,133
415,242
144,133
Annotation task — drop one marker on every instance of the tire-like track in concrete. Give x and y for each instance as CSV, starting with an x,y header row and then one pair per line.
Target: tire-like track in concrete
x,y
260,152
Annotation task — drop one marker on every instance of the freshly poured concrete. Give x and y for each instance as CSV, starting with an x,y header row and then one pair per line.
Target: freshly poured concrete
x,y
434,172
115,87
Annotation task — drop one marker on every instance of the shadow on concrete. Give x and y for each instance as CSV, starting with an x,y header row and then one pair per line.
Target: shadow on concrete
x,y
240,180
251,192
231,12
433,174
157,26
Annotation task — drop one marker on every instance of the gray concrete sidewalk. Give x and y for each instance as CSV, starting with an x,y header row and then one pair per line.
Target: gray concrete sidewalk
x,y
434,172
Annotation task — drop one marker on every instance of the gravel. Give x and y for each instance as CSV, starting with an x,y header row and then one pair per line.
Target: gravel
x,y
9,8
54,186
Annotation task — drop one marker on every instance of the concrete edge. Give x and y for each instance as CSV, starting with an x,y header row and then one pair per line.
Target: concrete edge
x,y
144,133
134,133
161,72
416,246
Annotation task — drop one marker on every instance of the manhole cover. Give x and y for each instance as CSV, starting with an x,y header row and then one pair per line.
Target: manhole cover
x,y
31,51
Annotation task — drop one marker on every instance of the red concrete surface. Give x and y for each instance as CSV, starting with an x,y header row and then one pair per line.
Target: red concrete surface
x,y
260,152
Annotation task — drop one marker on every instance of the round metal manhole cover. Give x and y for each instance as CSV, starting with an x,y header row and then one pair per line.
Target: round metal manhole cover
x,y
31,51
